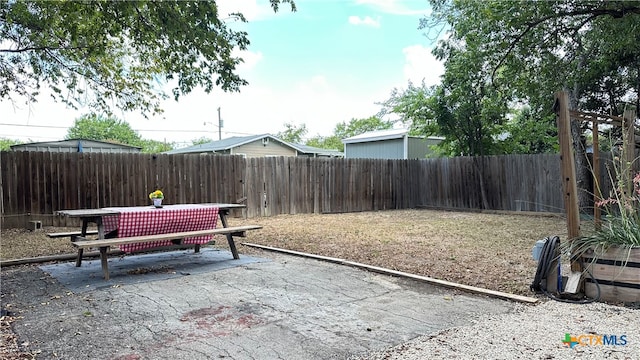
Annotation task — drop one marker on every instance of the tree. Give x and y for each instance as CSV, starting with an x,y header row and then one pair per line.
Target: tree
x,y
530,50
114,53
344,130
109,129
97,127
526,135
201,140
154,146
360,126
293,133
331,142
5,144
545,45
461,109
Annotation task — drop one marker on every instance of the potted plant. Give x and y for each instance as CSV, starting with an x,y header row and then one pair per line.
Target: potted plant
x,y
156,197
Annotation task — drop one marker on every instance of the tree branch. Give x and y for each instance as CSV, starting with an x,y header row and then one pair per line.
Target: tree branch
x,y
44,48
593,12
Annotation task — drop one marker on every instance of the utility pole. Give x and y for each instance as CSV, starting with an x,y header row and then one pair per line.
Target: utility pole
x,y
219,125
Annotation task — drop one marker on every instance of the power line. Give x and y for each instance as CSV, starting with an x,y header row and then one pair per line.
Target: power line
x,y
67,127
28,136
146,130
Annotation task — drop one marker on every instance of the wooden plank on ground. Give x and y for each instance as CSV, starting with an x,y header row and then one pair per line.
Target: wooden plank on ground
x,y
449,284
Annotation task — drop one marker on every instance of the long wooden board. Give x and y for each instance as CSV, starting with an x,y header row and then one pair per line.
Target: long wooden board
x,y
449,284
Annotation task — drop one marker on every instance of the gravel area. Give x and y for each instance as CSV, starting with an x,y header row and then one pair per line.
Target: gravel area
x,y
531,332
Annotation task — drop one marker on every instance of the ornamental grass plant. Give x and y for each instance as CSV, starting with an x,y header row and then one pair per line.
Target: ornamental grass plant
x,y
621,224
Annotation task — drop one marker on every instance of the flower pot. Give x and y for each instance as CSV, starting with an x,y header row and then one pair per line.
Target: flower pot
x,y
157,203
617,272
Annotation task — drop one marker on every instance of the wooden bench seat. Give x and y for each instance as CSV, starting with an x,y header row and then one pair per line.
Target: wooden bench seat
x,y
104,244
71,233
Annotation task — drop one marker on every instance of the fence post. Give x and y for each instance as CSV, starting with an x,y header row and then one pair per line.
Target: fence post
x,y
568,169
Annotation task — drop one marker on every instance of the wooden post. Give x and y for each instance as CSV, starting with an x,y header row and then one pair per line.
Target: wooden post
x,y
629,148
568,165
595,164
568,169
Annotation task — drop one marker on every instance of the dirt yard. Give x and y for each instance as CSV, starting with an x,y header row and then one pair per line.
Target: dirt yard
x,y
485,250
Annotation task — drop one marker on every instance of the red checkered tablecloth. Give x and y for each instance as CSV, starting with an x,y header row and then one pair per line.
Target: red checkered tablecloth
x,y
148,220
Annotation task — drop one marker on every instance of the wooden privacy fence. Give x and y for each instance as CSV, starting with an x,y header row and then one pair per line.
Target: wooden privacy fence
x,y
36,184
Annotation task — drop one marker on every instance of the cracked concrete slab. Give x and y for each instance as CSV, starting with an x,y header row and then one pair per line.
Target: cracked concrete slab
x,y
284,308
143,268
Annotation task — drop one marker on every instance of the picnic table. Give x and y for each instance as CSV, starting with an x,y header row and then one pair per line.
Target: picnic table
x,y
139,228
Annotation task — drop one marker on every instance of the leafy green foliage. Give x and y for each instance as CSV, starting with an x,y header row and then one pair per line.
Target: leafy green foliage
x,y
154,146
524,52
460,109
525,134
97,127
116,53
360,126
532,49
344,130
201,140
292,133
326,142
500,53
5,144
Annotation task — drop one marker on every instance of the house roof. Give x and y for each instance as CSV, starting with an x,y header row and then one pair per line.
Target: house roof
x,y
221,145
377,136
319,151
235,141
74,142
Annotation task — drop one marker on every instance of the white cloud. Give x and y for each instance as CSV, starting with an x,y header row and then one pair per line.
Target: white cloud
x,y
251,9
251,59
421,65
396,7
367,21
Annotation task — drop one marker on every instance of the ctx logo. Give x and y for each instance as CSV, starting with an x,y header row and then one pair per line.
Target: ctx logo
x,y
594,340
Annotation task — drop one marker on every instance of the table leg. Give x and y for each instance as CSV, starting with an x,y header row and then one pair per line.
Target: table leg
x,y
104,262
223,217
85,223
232,244
98,222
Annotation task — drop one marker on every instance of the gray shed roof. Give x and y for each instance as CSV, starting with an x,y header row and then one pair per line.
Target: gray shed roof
x,y
377,136
380,135
73,143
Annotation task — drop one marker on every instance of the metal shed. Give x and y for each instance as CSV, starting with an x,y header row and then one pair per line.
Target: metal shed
x,y
389,144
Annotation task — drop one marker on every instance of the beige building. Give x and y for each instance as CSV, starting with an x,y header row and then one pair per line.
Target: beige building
x,y
256,146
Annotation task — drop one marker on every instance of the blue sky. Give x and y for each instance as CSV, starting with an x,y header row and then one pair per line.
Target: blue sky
x,y
329,62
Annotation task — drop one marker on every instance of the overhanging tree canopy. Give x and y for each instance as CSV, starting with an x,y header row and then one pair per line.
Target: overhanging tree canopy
x,y
109,54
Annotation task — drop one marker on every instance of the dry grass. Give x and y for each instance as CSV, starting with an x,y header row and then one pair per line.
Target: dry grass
x,y
485,250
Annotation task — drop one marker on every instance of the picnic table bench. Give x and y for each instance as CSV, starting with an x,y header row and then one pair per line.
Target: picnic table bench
x,y
71,234
104,244
141,228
